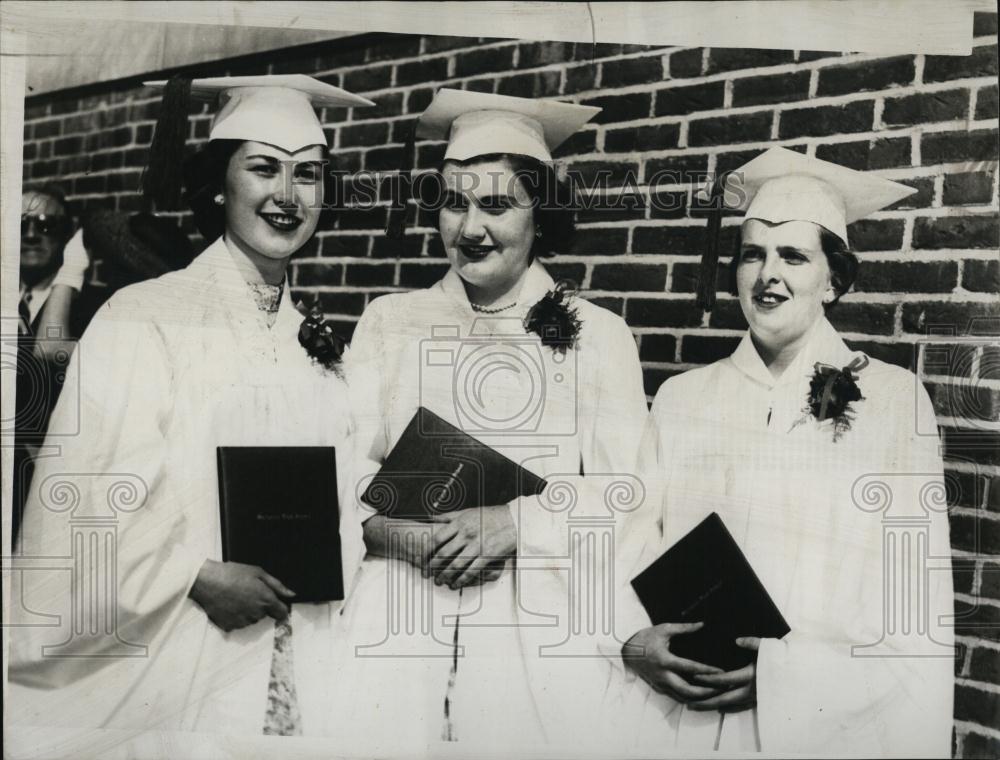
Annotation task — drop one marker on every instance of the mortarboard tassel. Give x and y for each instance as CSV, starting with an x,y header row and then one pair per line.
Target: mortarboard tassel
x,y
708,273
395,227
161,181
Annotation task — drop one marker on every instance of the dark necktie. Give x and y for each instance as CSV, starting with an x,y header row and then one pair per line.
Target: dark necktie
x,y
24,314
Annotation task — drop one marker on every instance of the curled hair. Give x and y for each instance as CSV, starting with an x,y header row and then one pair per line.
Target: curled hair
x,y
205,177
842,261
552,201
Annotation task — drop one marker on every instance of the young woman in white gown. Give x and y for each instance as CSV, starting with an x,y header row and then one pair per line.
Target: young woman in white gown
x,y
168,370
448,637
825,466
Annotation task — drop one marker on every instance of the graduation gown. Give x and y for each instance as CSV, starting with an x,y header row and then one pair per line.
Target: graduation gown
x,y
826,524
168,370
558,416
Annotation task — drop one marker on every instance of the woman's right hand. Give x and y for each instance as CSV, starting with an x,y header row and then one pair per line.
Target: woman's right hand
x,y
415,542
407,540
648,654
235,595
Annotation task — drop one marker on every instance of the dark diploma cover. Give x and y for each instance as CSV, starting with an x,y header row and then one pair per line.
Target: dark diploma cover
x,y
705,577
436,468
279,511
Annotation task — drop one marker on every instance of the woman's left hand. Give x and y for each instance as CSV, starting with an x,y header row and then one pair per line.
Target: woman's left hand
x,y
470,542
740,685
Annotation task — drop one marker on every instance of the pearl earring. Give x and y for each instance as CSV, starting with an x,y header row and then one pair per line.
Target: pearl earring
x,y
219,199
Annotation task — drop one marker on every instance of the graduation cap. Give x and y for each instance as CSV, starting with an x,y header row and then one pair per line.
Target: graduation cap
x,y
479,123
783,185
273,109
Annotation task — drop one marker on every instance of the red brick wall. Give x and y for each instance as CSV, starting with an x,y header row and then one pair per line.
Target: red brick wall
x,y
930,272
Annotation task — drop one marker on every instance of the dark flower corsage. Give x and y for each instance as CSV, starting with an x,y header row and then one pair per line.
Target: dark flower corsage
x,y
321,342
831,393
554,320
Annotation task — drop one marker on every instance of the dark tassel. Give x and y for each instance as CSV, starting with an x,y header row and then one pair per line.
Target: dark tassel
x,y
395,227
554,320
161,181
708,273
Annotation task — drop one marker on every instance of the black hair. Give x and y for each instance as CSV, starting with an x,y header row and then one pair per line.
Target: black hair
x,y
205,176
552,201
842,261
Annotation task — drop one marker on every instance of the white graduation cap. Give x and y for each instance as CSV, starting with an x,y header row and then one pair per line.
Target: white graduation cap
x,y
274,109
478,123
782,185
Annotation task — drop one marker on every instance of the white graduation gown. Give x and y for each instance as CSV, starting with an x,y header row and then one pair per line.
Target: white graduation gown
x,y
558,416
812,515
168,370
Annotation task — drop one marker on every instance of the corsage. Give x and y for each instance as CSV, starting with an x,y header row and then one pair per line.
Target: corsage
x,y
553,319
320,340
831,393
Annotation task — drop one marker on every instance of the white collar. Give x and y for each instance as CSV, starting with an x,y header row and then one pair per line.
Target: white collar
x,y
218,269
824,344
537,282
39,295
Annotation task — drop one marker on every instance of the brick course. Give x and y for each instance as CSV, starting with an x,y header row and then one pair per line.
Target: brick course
x,y
672,115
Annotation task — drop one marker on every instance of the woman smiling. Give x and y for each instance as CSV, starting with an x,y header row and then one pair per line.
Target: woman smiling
x,y
553,383
169,370
807,451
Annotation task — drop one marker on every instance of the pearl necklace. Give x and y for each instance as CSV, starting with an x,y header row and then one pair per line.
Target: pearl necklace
x,y
487,310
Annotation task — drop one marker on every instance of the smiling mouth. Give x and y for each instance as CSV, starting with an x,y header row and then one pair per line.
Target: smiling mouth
x,y
769,300
282,222
476,252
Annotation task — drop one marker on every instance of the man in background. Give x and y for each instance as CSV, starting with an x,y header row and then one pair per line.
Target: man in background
x,y
57,300
51,315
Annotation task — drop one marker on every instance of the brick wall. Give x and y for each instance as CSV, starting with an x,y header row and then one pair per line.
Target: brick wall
x,y
926,297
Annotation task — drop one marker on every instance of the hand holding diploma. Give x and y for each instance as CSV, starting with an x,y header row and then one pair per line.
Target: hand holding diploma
x,y
472,545
235,595
648,654
739,686
418,542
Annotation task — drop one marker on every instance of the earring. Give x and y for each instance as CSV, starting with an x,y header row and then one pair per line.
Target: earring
x,y
538,232
219,199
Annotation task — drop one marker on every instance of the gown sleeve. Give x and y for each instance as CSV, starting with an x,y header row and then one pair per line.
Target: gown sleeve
x,y
117,396
835,690
620,410
640,534
612,412
366,376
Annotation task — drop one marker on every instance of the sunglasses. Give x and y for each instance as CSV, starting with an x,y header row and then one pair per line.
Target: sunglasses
x,y
44,224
